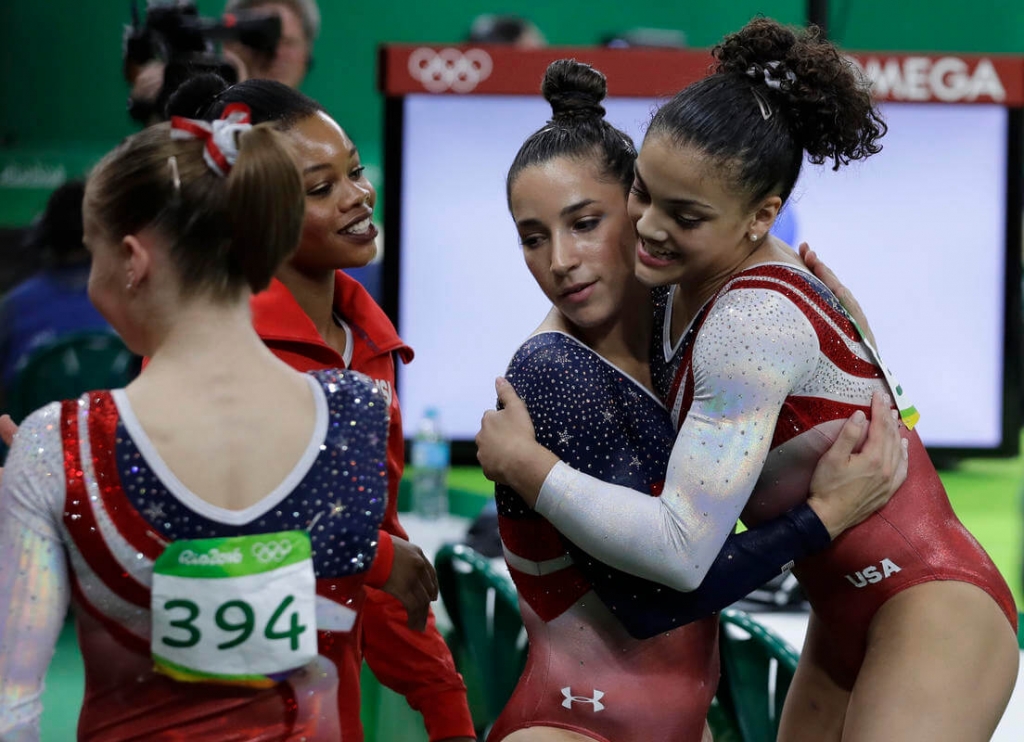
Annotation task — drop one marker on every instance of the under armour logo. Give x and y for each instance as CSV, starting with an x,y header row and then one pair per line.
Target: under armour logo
x,y
570,699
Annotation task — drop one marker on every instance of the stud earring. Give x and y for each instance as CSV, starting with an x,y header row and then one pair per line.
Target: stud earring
x,y
753,238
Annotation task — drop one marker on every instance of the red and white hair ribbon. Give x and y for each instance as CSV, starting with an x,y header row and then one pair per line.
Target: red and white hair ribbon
x,y
221,136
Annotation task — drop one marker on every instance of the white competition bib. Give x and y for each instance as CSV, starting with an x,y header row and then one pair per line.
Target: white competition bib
x,y
239,610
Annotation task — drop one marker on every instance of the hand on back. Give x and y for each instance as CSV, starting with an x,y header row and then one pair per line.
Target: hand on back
x,y
824,274
507,447
865,466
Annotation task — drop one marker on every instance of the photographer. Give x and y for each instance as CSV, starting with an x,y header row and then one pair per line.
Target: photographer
x,y
291,61
259,39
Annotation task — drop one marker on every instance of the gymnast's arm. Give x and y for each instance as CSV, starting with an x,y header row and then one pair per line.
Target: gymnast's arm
x,y
746,562
34,591
716,459
539,374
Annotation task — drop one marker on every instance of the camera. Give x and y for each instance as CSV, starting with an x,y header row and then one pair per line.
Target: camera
x,y
175,34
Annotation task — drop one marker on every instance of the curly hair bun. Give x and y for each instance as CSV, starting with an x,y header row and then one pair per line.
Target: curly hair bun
x,y
194,96
826,100
574,90
759,42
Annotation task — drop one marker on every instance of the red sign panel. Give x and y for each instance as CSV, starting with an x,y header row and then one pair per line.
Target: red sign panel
x,y
652,73
944,78
505,70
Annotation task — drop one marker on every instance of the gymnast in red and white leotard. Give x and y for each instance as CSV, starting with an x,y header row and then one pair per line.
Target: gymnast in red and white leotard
x,y
916,538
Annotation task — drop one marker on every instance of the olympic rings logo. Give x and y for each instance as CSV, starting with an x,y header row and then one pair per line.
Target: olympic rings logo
x,y
450,69
274,551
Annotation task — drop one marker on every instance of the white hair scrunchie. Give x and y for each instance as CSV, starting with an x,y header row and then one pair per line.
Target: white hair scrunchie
x,y
776,75
221,136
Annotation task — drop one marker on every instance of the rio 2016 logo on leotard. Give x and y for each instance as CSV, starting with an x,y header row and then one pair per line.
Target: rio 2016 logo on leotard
x,y
570,699
212,557
450,69
871,575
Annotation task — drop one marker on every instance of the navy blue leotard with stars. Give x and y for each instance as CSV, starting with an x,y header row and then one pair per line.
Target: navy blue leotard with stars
x,y
342,528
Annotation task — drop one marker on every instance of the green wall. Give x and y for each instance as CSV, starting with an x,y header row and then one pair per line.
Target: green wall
x,y
62,99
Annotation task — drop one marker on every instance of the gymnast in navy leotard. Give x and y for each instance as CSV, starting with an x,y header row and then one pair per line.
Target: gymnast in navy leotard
x,y
611,656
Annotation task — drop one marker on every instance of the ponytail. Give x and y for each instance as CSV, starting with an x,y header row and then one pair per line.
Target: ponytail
x,y
231,209
265,204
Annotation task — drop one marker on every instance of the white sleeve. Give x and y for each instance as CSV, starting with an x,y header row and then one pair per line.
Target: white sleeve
x,y
34,591
753,350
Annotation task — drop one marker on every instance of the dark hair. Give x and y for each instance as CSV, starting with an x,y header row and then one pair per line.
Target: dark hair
x,y
206,96
775,93
577,127
57,236
225,233
498,29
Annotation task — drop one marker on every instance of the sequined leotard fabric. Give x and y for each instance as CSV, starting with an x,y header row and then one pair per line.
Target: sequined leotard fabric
x,y
584,671
760,384
87,505
584,617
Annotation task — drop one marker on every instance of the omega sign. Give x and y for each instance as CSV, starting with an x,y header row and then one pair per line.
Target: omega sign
x,y
948,79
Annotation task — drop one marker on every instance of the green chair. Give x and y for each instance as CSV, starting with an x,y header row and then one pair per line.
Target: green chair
x,y
757,670
69,366
488,637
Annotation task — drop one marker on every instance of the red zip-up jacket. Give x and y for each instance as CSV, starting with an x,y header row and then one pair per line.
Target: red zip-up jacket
x,y
418,665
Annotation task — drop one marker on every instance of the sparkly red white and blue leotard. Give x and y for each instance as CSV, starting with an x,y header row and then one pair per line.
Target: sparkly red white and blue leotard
x,y
760,384
609,654
87,505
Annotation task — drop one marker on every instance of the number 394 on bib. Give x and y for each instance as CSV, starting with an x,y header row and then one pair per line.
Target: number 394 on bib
x,y
239,610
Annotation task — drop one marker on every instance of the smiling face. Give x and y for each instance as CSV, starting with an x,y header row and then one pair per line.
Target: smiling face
x,y
693,227
338,230
577,239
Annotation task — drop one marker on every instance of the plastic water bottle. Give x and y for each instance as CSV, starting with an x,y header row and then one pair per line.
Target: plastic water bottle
x,y
431,455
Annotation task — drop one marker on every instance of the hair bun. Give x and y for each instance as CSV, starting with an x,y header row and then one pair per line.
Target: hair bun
x,y
761,44
195,95
574,90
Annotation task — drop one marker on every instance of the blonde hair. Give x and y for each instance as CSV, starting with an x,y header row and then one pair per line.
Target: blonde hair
x,y
224,232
